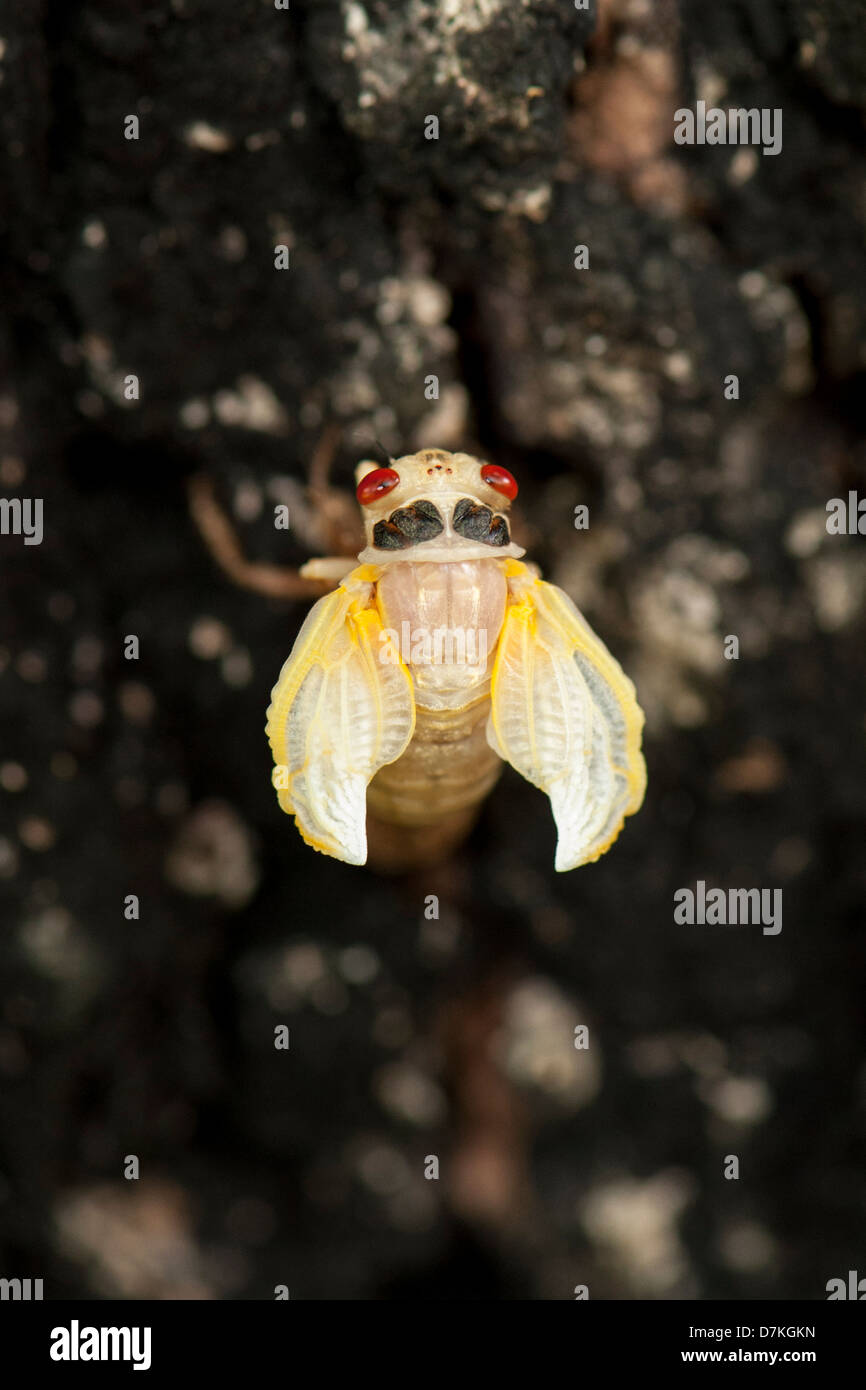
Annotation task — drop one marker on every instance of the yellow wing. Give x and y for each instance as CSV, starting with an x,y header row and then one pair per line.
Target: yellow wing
x,y
342,707
564,714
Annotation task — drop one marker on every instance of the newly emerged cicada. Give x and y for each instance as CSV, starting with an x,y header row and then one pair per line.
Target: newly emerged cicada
x,y
439,656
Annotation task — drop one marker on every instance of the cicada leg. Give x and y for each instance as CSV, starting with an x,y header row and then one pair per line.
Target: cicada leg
x,y
339,520
338,511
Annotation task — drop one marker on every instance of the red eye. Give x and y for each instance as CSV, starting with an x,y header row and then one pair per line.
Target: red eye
x,y
500,479
374,485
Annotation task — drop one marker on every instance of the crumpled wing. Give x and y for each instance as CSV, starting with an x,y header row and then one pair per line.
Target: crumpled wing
x,y
565,716
338,713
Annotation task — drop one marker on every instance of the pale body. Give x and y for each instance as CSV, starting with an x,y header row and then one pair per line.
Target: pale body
x,y
374,732
449,765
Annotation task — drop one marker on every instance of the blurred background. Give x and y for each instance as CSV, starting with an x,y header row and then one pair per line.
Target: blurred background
x,y
411,1036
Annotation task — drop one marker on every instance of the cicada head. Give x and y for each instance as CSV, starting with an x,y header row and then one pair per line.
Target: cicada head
x,y
436,506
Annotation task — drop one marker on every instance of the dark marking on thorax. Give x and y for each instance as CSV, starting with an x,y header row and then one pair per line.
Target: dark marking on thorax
x,y
478,523
420,522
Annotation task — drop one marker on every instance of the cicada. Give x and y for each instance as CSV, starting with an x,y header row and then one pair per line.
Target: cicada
x,y
441,656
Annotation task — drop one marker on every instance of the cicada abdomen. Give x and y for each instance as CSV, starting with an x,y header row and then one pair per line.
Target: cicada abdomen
x,y
436,659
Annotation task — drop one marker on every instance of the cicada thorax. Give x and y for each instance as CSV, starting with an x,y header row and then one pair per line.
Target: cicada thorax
x,y
445,621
